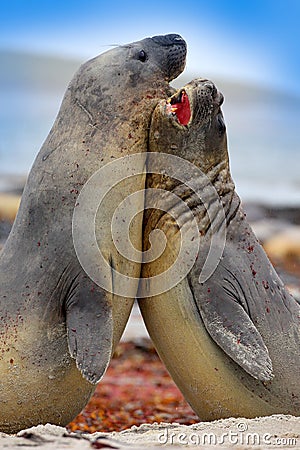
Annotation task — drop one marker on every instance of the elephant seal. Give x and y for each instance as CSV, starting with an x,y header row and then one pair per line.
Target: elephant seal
x,y
230,341
58,327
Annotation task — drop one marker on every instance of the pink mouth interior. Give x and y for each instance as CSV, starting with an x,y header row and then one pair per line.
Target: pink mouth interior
x,y
182,109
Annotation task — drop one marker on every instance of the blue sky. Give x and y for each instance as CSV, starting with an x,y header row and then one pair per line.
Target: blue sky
x,y
256,40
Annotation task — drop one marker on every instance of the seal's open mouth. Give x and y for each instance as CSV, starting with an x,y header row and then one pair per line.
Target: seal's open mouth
x,y
199,100
179,105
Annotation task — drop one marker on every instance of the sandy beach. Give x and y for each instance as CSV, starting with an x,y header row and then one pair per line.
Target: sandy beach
x,y
277,431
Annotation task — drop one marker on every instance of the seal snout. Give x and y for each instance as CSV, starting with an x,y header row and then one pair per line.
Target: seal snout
x,y
169,39
195,102
220,98
174,47
207,88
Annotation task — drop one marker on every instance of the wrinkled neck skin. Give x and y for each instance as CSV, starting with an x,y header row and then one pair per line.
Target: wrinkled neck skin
x,y
195,144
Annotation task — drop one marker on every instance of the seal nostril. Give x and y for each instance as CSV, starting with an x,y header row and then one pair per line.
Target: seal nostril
x,y
210,88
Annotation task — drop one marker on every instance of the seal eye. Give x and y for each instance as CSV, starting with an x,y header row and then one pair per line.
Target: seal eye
x,y
142,55
221,124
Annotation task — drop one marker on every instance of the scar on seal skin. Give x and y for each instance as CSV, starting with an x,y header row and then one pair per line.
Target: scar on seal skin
x,y
231,343
59,328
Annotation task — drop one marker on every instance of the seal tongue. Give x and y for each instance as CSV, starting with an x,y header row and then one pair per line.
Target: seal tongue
x,y
180,105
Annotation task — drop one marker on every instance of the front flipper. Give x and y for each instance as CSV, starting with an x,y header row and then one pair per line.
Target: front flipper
x,y
89,328
223,302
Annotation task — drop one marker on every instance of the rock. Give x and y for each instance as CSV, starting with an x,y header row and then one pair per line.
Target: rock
x,y
295,292
256,212
12,183
9,205
284,244
265,229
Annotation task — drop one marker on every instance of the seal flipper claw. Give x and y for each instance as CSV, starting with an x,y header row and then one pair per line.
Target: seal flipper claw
x,y
89,329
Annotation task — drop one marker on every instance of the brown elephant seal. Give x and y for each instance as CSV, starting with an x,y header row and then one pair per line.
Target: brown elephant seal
x,y
229,338
58,327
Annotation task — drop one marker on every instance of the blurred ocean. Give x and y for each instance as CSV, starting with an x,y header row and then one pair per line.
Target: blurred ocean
x,y
263,125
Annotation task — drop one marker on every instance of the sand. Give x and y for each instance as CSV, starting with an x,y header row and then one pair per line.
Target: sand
x,y
264,433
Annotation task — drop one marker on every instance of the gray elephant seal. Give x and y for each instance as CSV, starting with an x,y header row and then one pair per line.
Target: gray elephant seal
x,y
231,342
58,328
